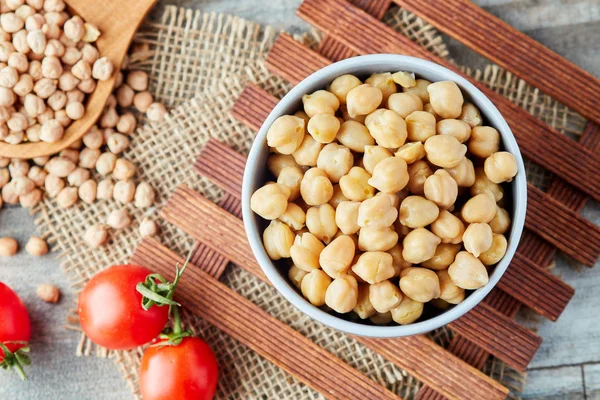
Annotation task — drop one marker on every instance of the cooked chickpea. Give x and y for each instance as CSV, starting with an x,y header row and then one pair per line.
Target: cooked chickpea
x,y
364,309
500,167
463,173
314,287
296,275
355,136
407,312
384,296
454,127
277,162
374,267
316,188
398,261
385,82
377,239
67,197
342,294
468,272
441,189
363,100
320,221
417,212
308,152
419,89
291,177
420,126
355,184
404,104
320,102
480,208
377,212
346,217
418,172
305,251
501,221
404,79
443,257
446,99
294,217
278,239
445,151
411,152
420,284
484,141
390,175
336,258
448,227
342,85
323,127
449,292
387,128
337,197
496,251
270,201
471,115
477,238
142,101
286,134
336,160
419,246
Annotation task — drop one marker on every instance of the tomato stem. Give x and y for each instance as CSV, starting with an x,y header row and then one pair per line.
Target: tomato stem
x,y
17,359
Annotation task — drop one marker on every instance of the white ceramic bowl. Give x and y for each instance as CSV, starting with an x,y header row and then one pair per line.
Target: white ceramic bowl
x,y
256,171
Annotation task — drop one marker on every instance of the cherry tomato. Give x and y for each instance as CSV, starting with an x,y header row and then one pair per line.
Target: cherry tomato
x,y
183,372
111,312
14,321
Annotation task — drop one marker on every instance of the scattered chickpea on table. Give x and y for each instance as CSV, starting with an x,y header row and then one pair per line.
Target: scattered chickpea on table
x,y
387,196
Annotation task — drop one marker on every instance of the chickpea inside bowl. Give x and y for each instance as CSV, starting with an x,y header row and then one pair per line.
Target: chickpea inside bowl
x,y
384,196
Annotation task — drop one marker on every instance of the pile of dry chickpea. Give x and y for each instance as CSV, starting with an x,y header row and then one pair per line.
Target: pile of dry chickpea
x,y
47,66
388,196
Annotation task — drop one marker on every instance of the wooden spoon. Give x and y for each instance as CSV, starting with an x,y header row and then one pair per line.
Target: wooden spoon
x,y
117,21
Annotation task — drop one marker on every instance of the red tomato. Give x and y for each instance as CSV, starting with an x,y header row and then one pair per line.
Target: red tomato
x,y
14,321
184,372
111,312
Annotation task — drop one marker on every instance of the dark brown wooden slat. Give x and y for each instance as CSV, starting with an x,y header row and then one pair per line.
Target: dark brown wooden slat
x,y
225,234
259,100
222,173
249,324
285,53
366,35
511,49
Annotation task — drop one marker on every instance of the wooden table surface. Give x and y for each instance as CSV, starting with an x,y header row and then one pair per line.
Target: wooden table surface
x,y
567,365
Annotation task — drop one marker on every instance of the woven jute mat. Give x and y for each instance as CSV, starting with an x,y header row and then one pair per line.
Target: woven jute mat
x,y
198,65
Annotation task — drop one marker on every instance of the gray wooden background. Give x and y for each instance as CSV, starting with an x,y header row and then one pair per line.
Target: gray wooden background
x,y
568,363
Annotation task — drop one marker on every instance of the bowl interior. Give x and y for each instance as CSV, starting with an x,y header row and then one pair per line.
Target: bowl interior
x,y
255,176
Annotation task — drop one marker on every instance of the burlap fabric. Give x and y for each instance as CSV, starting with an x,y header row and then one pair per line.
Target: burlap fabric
x,y
198,64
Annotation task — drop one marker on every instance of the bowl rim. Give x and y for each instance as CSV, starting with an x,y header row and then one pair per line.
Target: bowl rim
x,y
371,63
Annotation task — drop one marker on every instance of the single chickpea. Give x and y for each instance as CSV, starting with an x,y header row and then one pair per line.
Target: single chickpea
x,y
88,191
60,167
88,158
443,257
291,177
278,238
374,267
8,193
322,127
377,212
418,172
106,163
384,296
336,258
67,197
501,221
45,87
314,287
48,293
363,100
355,136
75,110
54,5
336,160
138,80
125,96
417,212
480,208
337,198
71,56
109,118
385,83
482,185
270,201
454,127
407,312
96,236
277,162
420,89
346,217
24,86
11,23
37,175
441,188
57,101
296,275
105,189
364,309
142,101
54,48
53,185
51,67
6,49
387,128
308,152
75,95
124,191
19,41
377,239
420,126
102,69
355,185
500,167
148,228
93,138
484,141
156,112
346,116
144,195
342,85
31,199
7,97
118,219
36,40
82,70
446,99
14,137
294,217
78,176
87,86
420,284
496,251
468,272
320,102
305,251
33,105
36,246
9,76
390,175
445,151
449,292
124,169
18,167
419,246
373,155
404,79
471,115
320,221
316,188
448,227
117,143
17,122
74,29
463,173
411,152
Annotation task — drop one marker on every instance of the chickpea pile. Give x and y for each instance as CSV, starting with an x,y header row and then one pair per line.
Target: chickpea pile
x,y
93,168
387,195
